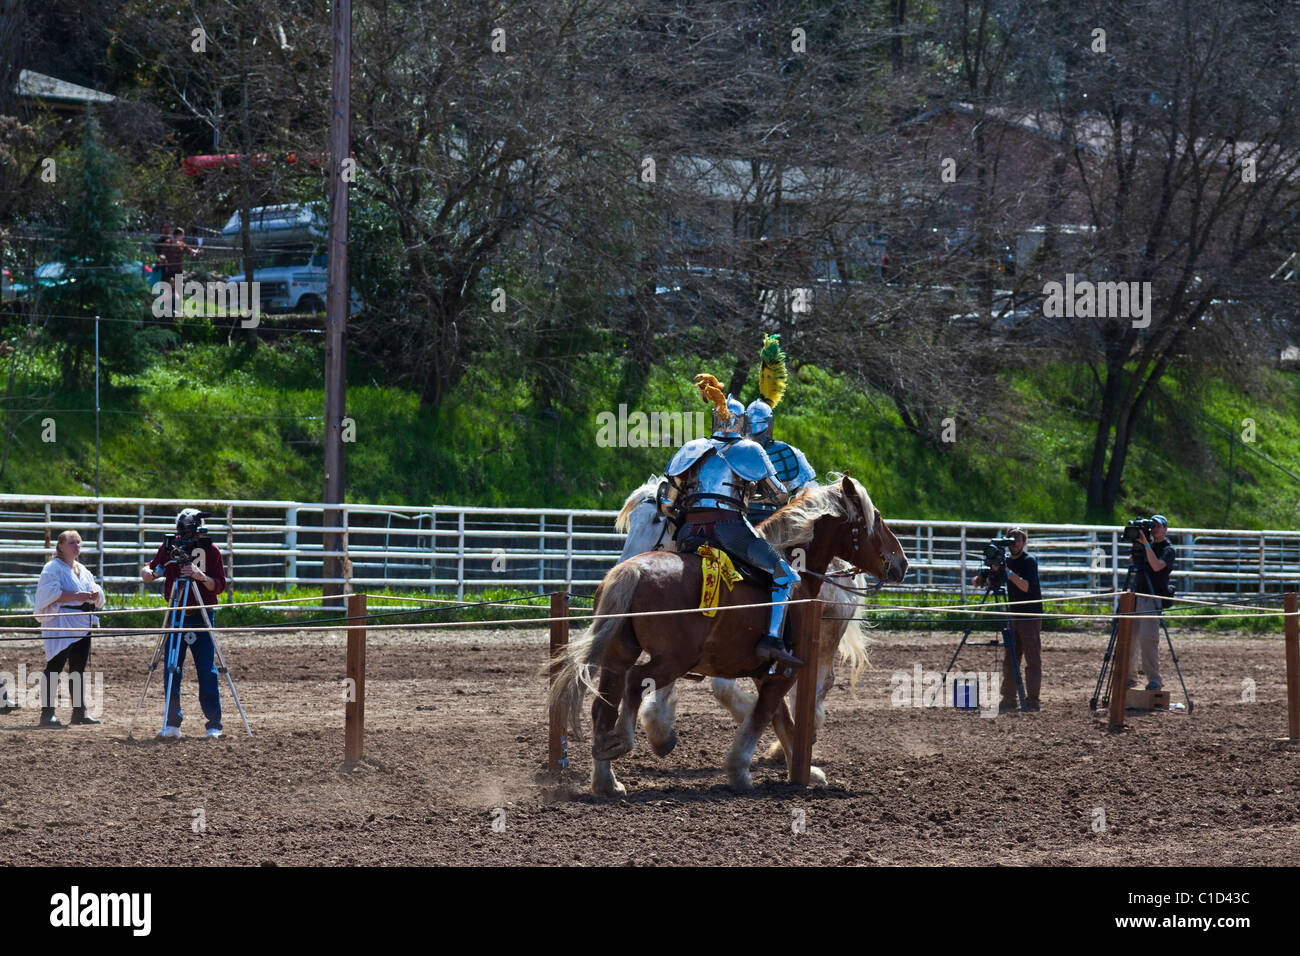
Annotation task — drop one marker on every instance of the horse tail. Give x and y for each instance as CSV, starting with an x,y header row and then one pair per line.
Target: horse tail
x,y
853,651
579,663
624,520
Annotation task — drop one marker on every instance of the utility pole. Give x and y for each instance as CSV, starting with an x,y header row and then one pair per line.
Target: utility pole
x,y
97,406
336,296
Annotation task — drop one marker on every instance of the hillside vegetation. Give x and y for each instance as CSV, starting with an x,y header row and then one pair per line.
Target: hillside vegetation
x,y
212,420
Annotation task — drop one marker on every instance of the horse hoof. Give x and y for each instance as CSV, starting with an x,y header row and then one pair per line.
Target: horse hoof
x,y
617,790
741,783
816,777
665,747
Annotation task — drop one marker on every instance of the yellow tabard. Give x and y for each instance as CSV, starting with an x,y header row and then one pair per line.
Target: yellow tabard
x,y
717,567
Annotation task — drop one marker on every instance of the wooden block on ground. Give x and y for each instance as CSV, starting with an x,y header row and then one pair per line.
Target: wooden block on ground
x,y
1147,699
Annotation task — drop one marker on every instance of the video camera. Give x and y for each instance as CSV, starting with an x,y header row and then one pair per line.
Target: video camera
x,y
1131,531
190,534
994,574
178,552
1138,526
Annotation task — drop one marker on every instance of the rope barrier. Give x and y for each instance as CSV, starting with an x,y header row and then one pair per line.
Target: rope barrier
x,y
584,617
313,625
981,608
502,602
188,607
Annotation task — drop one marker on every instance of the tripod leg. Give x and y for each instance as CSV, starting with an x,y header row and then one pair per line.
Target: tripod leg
x,y
153,665
1103,676
960,644
174,646
216,644
1174,657
1106,675
173,656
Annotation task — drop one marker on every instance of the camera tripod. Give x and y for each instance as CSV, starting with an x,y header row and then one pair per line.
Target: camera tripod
x,y
1107,674
169,644
999,592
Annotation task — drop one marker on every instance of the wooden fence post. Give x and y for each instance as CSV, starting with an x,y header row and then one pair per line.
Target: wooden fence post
x,y
354,710
1292,668
557,745
1119,668
807,649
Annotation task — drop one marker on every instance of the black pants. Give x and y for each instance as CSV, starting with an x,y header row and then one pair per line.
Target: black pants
x,y
736,538
75,656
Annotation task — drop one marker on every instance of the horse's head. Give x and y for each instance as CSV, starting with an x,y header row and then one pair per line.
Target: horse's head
x,y
868,543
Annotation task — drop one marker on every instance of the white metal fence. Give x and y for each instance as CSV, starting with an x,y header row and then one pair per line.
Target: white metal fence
x,y
443,547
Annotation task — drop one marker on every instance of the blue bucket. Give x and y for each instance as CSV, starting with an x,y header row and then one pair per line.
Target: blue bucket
x,y
966,694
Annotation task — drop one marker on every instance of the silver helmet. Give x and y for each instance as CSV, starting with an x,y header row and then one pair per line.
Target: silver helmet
x,y
735,423
758,419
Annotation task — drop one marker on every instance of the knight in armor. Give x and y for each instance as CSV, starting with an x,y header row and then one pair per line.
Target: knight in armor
x,y
709,484
792,468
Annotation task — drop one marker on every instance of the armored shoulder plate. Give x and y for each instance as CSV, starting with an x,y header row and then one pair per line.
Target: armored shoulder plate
x,y
791,466
688,455
747,459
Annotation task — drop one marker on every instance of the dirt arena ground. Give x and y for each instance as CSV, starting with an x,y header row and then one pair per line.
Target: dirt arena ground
x,y
455,729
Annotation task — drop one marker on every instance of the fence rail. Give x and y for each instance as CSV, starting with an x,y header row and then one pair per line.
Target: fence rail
x,y
275,544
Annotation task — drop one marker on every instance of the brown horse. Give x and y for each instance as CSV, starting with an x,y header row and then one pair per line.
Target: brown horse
x,y
825,522
843,638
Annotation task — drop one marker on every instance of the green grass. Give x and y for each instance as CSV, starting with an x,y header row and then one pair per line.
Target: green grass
x,y
228,421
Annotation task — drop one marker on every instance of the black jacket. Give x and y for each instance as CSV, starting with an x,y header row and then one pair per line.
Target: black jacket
x,y
1025,566
1159,579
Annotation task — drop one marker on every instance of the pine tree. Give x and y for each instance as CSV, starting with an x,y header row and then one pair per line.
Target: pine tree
x,y
95,279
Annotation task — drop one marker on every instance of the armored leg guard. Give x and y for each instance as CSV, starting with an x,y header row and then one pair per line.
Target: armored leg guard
x,y
740,540
772,647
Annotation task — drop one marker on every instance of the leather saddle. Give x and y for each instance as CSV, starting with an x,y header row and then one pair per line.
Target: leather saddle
x,y
690,544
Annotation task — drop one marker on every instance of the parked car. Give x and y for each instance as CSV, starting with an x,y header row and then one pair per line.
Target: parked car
x,y
52,275
295,285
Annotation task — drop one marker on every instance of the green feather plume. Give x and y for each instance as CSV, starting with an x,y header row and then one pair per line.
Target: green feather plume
x,y
772,377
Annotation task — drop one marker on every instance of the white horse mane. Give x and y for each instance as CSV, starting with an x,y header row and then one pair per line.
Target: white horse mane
x,y
623,521
792,526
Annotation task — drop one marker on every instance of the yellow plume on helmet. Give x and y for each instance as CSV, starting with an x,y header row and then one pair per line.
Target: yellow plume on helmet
x,y
772,376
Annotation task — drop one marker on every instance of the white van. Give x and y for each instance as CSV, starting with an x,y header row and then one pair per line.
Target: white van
x,y
292,285
295,281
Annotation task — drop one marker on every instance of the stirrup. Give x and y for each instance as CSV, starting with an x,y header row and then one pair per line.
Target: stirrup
x,y
772,648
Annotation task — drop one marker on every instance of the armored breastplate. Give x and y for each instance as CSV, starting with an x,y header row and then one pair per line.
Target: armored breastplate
x,y
716,485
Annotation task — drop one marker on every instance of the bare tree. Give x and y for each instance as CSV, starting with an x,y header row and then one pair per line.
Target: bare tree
x,y
1185,159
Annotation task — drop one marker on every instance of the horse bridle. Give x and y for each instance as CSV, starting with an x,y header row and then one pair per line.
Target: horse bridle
x,y
851,493
857,569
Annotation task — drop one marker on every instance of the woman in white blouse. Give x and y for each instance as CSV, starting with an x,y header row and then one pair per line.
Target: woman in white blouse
x,y
66,581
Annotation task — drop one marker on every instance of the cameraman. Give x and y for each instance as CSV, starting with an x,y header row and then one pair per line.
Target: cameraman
x,y
208,573
1157,559
1025,598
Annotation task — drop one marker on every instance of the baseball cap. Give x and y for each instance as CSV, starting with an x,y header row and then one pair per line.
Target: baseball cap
x,y
1162,519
